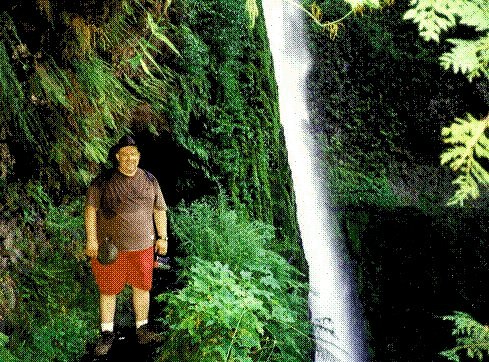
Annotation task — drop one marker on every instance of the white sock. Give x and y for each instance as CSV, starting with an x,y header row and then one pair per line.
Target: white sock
x,y
141,323
107,327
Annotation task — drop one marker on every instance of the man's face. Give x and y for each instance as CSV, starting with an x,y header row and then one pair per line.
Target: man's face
x,y
128,158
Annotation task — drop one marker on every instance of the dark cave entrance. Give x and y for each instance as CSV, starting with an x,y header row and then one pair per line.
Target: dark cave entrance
x,y
171,164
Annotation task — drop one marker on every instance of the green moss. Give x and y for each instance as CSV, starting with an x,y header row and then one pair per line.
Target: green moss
x,y
227,115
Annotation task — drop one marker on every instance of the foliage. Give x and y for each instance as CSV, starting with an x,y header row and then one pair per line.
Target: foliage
x,y
242,301
84,101
356,178
213,231
316,11
469,144
472,337
54,296
104,69
220,234
368,98
350,185
101,69
470,57
62,338
5,354
226,114
224,316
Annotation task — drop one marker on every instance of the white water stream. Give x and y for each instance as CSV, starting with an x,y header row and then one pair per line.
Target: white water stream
x,y
332,298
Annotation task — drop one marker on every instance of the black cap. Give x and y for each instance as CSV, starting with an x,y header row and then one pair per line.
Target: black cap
x,y
123,142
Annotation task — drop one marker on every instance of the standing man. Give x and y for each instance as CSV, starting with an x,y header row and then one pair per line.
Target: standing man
x,y
126,208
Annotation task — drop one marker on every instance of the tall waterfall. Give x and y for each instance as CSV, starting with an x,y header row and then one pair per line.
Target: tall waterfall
x,y
332,298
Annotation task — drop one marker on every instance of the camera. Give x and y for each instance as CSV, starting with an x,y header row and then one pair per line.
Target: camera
x,y
162,262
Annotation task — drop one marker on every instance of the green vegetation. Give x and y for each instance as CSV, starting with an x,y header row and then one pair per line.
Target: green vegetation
x,y
242,301
74,77
469,56
52,295
372,90
466,137
472,337
380,95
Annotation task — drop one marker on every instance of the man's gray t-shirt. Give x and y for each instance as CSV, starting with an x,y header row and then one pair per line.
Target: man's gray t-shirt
x,y
125,206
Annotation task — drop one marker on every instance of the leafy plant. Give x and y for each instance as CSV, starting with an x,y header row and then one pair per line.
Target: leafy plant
x,y
54,296
316,13
471,337
468,144
220,234
224,316
242,301
470,57
62,338
5,354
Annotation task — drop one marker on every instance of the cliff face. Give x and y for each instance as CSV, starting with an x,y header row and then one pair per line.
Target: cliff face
x,y
191,80
195,86
226,113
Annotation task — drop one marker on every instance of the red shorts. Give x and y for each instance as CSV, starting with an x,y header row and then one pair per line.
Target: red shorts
x,y
132,267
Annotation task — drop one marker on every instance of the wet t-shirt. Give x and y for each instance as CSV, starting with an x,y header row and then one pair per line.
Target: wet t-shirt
x,y
125,206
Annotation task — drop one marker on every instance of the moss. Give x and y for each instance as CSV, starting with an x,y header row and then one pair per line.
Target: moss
x,y
227,112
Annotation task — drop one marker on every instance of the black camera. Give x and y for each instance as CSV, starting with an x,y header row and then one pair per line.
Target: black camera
x,y
162,262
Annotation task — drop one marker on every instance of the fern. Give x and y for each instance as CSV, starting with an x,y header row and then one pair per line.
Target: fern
x,y
253,12
469,57
471,337
436,16
468,143
432,17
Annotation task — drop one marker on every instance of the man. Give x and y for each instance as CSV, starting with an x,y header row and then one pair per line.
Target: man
x,y
125,207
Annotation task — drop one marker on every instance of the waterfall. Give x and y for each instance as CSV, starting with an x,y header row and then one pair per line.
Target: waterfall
x,y
333,300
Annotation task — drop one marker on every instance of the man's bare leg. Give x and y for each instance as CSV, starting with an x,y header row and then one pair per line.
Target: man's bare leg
x,y
107,308
107,312
140,300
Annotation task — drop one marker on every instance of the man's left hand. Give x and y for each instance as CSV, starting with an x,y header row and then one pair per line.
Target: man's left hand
x,y
161,246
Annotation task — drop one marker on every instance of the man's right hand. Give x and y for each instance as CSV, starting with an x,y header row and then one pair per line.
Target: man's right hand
x,y
91,249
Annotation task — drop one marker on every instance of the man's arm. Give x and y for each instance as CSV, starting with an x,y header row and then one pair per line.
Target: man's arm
x,y
91,231
161,245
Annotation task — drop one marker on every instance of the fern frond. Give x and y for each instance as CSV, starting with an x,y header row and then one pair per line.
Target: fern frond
x,y
468,143
467,187
471,337
252,9
159,33
55,83
469,57
432,17
473,13
103,89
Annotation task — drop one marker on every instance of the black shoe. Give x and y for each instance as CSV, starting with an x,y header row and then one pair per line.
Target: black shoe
x,y
104,343
145,335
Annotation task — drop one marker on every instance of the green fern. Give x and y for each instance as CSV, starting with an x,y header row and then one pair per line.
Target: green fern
x,y
471,58
432,17
436,16
468,143
473,13
468,57
471,337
